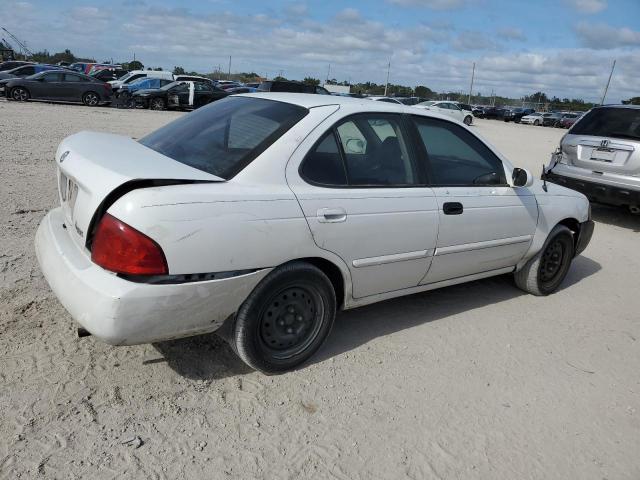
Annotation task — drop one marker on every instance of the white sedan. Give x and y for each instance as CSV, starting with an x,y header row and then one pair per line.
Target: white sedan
x,y
268,213
534,118
449,109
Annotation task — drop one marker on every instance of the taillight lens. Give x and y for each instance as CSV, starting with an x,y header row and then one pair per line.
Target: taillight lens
x,y
123,249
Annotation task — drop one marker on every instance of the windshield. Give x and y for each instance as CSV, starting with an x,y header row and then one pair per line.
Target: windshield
x,y
610,122
224,137
427,104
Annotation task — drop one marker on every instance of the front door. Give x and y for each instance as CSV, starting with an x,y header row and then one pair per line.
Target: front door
x,y
365,200
485,224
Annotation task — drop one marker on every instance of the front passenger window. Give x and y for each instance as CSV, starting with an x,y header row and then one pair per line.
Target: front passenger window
x,y
456,157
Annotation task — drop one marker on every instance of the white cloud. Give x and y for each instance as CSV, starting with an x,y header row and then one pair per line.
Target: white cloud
x,y
510,33
355,46
601,36
587,6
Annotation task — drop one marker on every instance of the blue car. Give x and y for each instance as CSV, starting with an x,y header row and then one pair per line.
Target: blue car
x,y
143,83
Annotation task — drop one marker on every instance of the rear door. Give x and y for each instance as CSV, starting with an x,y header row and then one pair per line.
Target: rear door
x,y
73,86
484,224
365,200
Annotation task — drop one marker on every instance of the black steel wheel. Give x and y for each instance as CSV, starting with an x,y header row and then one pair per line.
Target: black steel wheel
x,y
546,270
157,104
20,94
286,318
90,99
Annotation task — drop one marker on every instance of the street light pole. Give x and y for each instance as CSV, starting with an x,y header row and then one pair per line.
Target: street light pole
x,y
386,85
473,72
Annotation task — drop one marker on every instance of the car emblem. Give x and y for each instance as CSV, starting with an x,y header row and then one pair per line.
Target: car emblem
x,y
64,155
604,143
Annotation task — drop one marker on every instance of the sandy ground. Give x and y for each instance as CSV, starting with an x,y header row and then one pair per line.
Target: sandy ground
x,y
478,381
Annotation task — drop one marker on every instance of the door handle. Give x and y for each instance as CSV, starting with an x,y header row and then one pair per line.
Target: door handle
x,y
452,208
332,215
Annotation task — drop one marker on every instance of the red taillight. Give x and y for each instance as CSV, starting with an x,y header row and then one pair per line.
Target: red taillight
x,y
123,249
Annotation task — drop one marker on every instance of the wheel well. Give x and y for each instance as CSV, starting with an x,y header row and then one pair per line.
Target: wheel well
x,y
573,225
331,271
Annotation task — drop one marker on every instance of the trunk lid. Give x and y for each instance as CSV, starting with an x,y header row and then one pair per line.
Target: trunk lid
x,y
93,166
602,154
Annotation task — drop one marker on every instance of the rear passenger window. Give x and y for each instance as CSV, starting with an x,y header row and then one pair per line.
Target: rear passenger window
x,y
368,150
323,165
70,77
456,157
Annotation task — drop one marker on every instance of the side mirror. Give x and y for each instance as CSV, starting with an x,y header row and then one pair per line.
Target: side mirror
x,y
522,177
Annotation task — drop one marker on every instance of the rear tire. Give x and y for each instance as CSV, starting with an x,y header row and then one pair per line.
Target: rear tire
x,y
544,273
91,99
20,94
286,319
467,120
536,123
157,104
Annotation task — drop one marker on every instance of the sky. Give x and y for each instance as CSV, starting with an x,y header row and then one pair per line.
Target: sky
x,y
562,47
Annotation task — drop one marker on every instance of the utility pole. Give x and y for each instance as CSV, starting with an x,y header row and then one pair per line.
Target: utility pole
x,y
386,85
473,72
604,95
229,75
328,73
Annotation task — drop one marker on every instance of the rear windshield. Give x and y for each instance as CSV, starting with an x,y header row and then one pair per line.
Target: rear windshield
x,y
610,122
225,136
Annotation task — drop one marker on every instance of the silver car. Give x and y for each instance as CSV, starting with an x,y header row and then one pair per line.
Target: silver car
x,y
600,156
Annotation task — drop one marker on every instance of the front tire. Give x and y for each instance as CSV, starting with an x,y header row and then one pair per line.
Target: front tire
x,y
20,94
536,123
157,104
91,99
544,273
286,319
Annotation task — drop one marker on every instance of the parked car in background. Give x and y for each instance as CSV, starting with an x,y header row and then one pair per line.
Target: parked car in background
x,y
492,113
477,110
411,100
568,119
193,78
82,67
600,156
552,119
534,118
290,86
516,114
464,106
11,64
138,74
143,84
241,90
268,213
224,84
385,99
252,85
109,74
567,122
179,95
27,70
59,85
449,109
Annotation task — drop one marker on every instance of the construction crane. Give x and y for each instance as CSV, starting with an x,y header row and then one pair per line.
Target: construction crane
x,y
22,46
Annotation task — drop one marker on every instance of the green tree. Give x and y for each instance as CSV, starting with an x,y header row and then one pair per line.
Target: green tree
x,y
178,71
632,101
135,65
279,79
311,81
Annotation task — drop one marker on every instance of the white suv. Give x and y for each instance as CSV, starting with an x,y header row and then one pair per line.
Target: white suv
x,y
600,156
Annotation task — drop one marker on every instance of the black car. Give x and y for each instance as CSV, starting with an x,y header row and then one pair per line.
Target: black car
x,y
109,74
179,95
516,114
11,64
492,112
58,85
552,120
289,86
